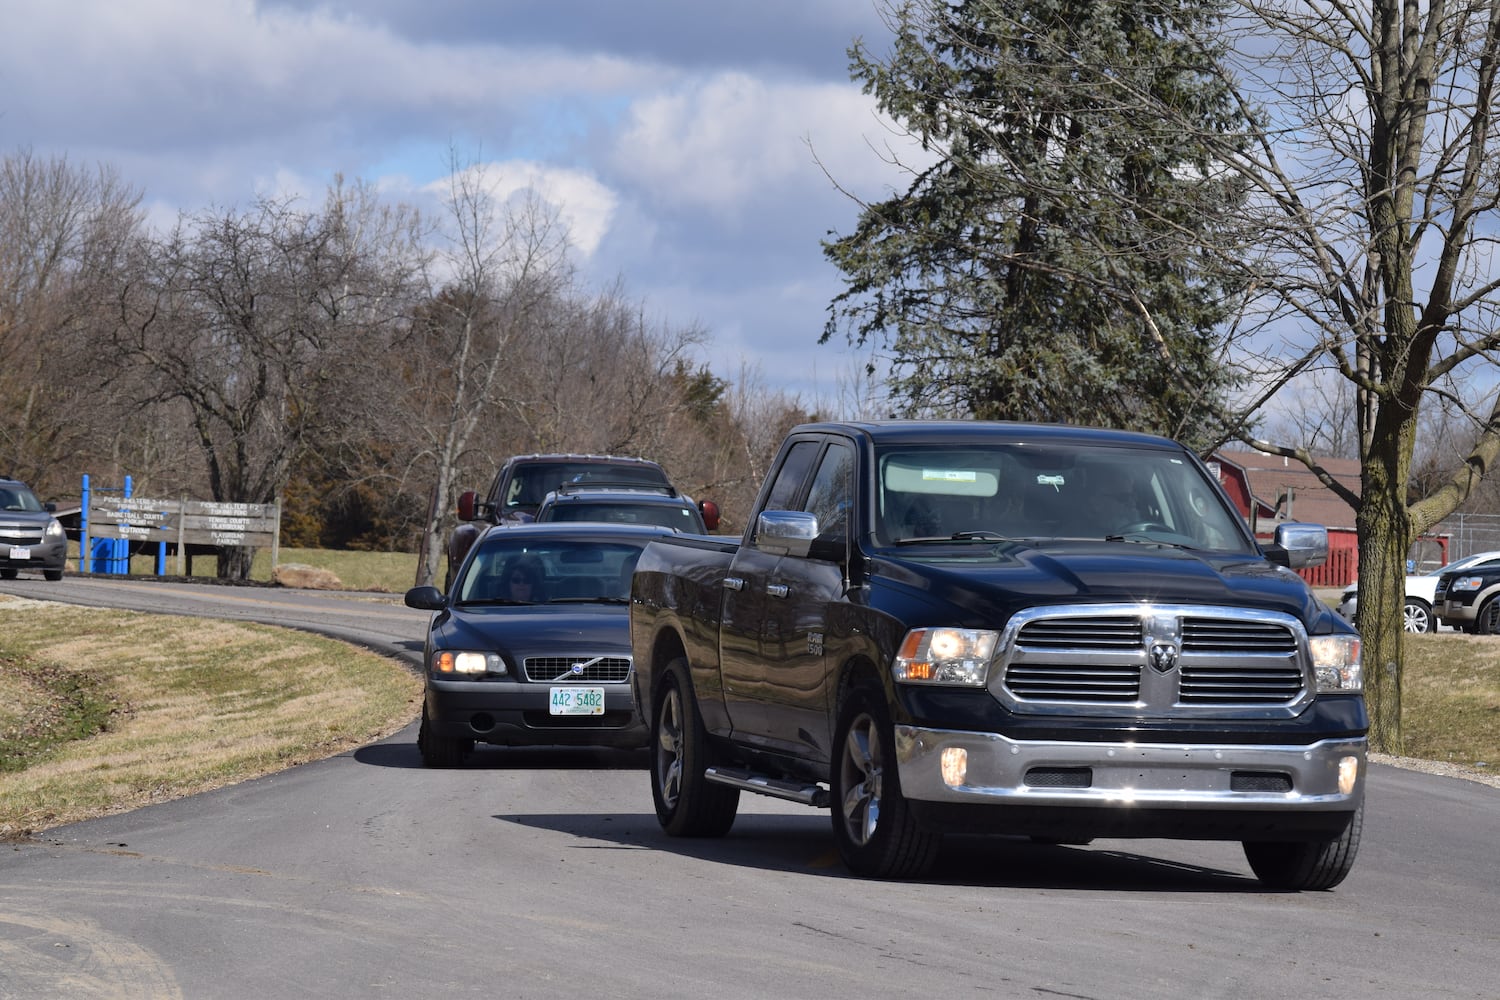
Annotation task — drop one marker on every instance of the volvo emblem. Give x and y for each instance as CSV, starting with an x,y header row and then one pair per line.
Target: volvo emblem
x,y
1163,657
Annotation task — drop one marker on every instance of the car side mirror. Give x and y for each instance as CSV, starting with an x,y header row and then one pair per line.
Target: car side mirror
x,y
710,512
426,599
466,501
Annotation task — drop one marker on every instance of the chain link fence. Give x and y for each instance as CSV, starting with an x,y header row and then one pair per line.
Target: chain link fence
x,y
1467,534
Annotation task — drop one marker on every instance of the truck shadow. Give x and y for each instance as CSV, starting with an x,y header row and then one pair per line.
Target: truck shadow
x,y
804,845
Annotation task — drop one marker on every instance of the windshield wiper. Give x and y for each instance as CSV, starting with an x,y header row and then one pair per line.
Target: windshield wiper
x,y
957,536
1146,540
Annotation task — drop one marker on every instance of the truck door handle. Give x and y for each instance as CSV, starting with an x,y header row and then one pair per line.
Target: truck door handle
x,y
777,589
733,583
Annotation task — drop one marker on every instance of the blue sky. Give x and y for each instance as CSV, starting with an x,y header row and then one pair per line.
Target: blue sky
x,y
679,140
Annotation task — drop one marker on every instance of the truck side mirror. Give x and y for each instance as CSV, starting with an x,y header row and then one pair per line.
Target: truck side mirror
x,y
787,532
710,512
1297,544
466,501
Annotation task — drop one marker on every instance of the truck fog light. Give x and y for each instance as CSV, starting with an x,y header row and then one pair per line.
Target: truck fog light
x,y
1348,774
955,765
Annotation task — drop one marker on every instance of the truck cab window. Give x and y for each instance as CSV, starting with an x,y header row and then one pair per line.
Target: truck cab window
x,y
831,496
791,476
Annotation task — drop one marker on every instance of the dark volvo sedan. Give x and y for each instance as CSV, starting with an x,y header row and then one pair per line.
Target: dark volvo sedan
x,y
532,645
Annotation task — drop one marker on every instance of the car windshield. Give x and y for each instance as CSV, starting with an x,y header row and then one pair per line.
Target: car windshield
x,y
980,494
679,518
18,498
529,484
540,570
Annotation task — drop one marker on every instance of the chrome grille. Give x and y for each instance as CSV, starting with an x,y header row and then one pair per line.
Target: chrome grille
x,y
1083,633
1076,682
1154,661
596,669
15,534
1217,635
1209,685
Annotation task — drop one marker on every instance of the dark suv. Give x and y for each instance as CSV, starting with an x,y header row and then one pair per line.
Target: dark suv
x,y
625,504
30,537
523,481
1469,598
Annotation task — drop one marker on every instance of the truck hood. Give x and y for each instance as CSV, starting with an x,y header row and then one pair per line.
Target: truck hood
x,y
992,583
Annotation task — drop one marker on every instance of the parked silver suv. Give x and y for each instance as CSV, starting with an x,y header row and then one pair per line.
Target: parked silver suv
x,y
30,537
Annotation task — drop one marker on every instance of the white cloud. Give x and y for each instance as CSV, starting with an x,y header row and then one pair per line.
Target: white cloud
x,y
583,205
732,141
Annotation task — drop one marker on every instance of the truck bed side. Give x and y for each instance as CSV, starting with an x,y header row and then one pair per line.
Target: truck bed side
x,y
676,596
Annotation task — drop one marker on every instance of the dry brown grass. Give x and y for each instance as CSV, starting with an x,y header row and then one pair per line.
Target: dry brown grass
x,y
1450,699
197,704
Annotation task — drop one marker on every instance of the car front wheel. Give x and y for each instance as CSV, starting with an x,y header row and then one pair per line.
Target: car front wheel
x,y
438,751
1417,617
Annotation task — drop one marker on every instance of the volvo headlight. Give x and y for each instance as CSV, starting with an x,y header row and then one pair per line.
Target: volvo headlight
x,y
459,661
1336,663
955,656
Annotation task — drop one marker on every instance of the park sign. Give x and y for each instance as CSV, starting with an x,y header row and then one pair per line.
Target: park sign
x,y
183,525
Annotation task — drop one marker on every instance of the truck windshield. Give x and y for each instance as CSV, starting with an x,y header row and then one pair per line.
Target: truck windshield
x,y
530,483
1040,492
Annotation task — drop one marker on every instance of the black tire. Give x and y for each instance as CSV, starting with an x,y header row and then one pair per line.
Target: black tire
x,y
1417,617
1320,864
1485,620
687,803
438,751
8,573
52,574
876,834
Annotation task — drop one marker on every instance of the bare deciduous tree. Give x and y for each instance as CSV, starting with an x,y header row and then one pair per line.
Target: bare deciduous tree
x,y
1375,174
503,263
257,327
61,231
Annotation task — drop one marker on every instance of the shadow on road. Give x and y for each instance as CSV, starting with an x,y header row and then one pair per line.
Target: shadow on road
x,y
804,845
400,751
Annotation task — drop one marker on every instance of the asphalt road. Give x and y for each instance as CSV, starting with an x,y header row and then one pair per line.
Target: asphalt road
x,y
544,874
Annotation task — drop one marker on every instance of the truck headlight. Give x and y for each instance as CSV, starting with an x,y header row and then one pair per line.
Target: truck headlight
x,y
458,661
1336,663
1466,583
954,656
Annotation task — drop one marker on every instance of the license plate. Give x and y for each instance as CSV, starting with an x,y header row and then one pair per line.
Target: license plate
x,y
575,700
19,552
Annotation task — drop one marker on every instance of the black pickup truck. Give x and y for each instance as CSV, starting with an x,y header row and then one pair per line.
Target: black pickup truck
x,y
1056,632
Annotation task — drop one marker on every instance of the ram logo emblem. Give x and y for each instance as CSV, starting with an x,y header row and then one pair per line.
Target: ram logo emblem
x,y
1163,657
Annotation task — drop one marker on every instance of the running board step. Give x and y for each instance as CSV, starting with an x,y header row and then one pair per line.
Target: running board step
x,y
749,781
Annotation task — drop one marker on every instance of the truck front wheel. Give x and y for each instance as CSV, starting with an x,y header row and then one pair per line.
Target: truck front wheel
x,y
876,834
1319,864
687,803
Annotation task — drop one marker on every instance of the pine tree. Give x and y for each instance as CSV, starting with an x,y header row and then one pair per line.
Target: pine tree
x,y
1042,266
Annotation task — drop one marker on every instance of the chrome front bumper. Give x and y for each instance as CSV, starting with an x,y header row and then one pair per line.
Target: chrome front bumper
x,y
1326,776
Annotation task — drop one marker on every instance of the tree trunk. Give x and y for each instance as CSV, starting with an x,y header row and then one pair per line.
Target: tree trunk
x,y
1384,537
234,562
